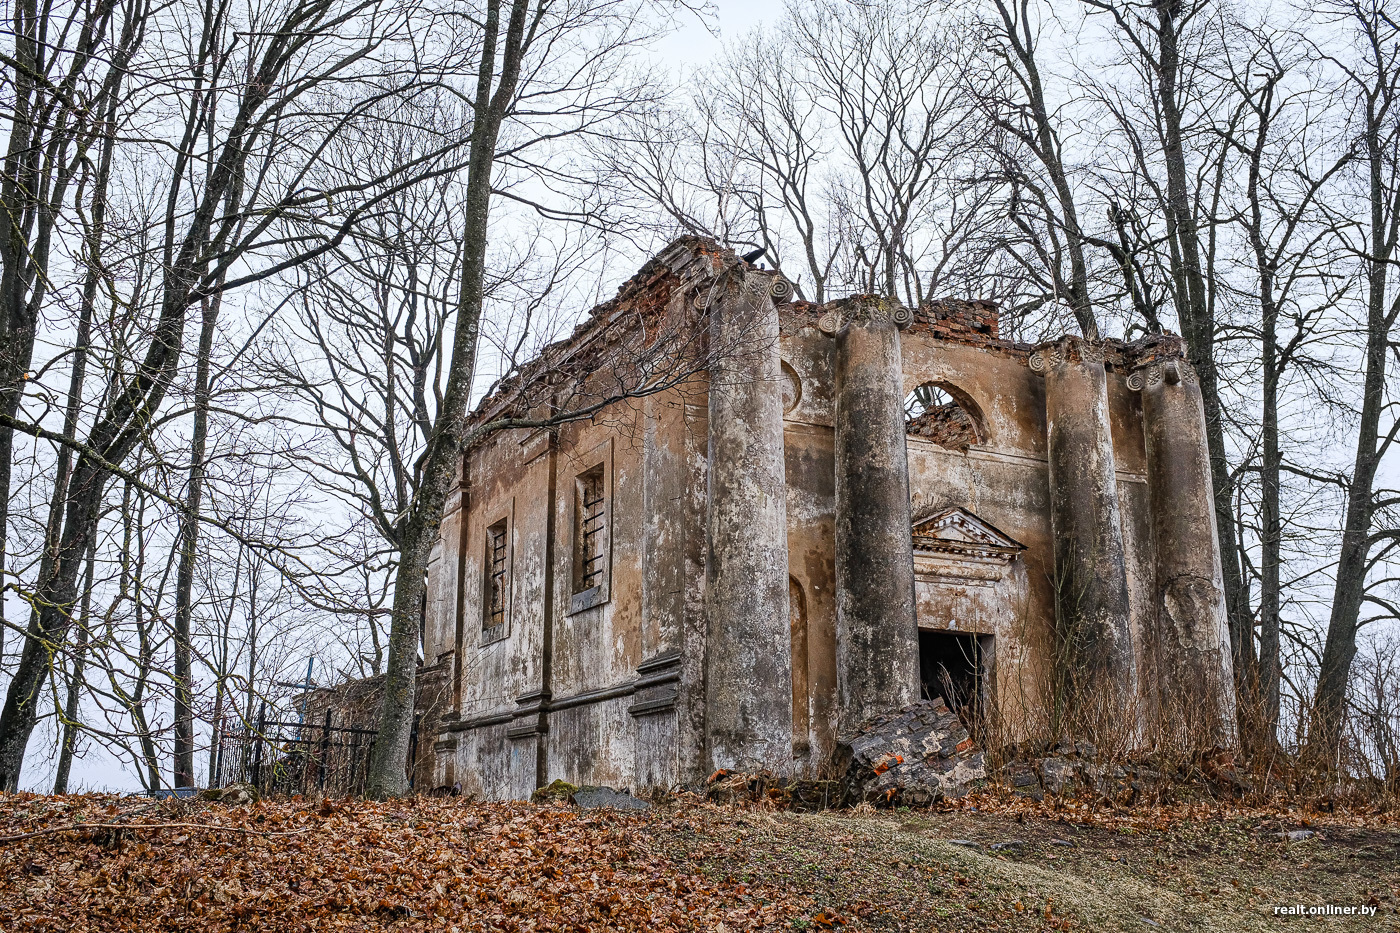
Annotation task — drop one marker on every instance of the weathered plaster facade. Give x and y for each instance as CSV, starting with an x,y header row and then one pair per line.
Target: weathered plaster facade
x,y
730,571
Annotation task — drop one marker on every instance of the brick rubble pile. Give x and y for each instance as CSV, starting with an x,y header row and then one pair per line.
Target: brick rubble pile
x,y
914,757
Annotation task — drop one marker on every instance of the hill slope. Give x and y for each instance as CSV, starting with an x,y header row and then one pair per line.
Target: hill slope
x,y
110,864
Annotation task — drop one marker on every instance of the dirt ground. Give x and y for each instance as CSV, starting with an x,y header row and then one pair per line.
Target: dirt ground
x,y
973,870
106,864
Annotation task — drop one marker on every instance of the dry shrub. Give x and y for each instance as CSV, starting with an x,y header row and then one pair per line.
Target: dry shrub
x,y
1171,752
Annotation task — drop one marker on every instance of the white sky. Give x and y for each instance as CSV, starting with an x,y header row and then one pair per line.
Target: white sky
x,y
693,44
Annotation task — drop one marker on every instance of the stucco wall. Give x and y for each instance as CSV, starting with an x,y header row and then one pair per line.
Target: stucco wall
x,y
811,522
613,690
591,734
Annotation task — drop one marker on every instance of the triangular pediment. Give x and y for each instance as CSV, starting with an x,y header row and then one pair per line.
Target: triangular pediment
x,y
957,528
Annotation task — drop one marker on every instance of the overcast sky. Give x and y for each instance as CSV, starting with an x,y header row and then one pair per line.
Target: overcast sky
x,y
693,44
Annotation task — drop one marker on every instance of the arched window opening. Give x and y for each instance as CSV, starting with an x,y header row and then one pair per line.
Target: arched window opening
x,y
943,415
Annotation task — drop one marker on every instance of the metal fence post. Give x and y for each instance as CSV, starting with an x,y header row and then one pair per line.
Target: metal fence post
x,y
217,778
366,753
325,750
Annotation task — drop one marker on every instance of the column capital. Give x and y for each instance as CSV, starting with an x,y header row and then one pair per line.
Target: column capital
x,y
863,309
1172,370
736,280
1068,349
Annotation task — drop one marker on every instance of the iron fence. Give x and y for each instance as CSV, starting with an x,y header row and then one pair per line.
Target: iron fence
x,y
299,757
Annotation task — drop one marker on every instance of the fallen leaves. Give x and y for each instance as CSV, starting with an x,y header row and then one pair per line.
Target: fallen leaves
x,y
131,827
290,865
1159,818
101,863
826,921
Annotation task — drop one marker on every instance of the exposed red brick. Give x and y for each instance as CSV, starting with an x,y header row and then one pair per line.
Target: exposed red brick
x,y
976,320
946,425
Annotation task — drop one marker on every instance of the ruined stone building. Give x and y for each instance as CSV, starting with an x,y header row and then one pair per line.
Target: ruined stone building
x,y
850,506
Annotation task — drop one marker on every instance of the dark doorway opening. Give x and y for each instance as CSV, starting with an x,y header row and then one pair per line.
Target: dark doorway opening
x,y
951,666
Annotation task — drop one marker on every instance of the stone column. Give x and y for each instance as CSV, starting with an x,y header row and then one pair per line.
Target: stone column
x,y
1191,639
748,679
1094,649
877,635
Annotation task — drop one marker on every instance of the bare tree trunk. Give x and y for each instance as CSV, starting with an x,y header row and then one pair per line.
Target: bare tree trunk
x,y
221,654
1198,328
189,542
386,776
75,682
250,692
1270,669
216,726
1271,537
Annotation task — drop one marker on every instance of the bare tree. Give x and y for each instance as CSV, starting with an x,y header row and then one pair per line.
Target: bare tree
x,y
1013,94
1288,165
63,78
1371,233
215,221
838,143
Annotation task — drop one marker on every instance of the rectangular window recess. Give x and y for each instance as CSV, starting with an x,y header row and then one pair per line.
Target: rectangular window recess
x,y
590,538
496,586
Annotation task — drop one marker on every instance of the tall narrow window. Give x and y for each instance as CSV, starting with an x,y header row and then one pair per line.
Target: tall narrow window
x,y
591,530
497,584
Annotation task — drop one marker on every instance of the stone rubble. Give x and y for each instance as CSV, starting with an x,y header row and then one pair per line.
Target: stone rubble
x,y
1069,770
232,795
914,757
922,754
1008,845
587,797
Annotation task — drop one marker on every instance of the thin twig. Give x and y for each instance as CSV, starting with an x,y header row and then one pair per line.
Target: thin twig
x,y
83,826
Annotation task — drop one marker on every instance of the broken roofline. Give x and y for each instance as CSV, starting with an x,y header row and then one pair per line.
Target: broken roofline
x,y
690,259
659,269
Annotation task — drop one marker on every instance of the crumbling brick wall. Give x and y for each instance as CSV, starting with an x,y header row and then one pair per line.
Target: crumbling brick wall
x,y
975,321
946,425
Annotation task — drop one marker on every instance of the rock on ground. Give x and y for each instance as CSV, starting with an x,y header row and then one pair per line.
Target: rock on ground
x,y
233,794
556,791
